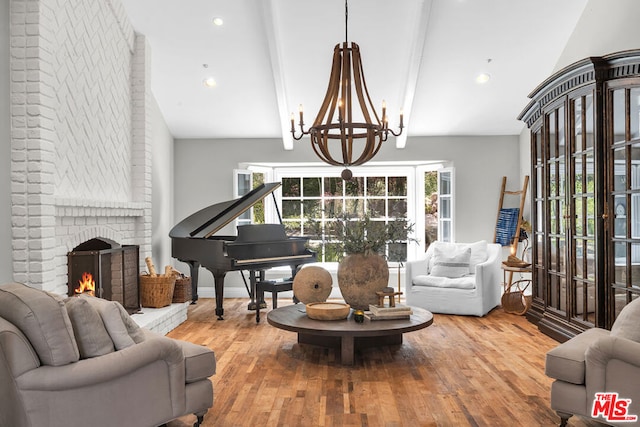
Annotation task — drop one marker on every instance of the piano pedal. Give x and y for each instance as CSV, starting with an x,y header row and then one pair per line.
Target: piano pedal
x,y
254,306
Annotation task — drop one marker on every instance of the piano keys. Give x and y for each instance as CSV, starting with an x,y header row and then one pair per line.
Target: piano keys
x,y
257,247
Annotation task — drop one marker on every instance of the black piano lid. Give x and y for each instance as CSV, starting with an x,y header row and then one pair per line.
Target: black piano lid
x,y
212,219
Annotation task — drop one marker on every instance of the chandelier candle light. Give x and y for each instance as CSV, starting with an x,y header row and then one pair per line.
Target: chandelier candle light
x,y
347,80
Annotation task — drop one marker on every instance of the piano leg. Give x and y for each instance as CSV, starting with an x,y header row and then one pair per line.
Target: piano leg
x,y
218,278
194,268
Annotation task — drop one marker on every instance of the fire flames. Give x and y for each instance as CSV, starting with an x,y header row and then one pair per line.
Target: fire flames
x,y
87,284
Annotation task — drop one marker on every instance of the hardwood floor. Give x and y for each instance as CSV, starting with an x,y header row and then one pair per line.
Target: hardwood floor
x,y
460,371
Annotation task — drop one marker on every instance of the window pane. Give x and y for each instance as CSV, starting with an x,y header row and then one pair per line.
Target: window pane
x,y
620,178
311,209
634,108
579,217
577,123
445,184
291,187
291,209
635,165
446,231
398,186
355,186
376,208
311,187
618,116
591,265
333,186
445,207
553,143
354,207
376,186
591,216
333,208
397,208
538,144
620,216
589,122
634,212
561,148
579,177
292,228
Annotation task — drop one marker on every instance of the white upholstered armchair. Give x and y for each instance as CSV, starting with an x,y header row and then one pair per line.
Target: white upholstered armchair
x,y
455,278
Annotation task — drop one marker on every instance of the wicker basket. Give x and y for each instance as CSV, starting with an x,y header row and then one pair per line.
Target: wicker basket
x,y
182,290
156,292
516,302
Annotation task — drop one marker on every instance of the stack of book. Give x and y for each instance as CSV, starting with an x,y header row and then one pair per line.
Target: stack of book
x,y
377,312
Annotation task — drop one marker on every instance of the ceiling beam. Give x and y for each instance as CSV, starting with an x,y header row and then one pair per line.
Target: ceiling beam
x,y
413,70
269,25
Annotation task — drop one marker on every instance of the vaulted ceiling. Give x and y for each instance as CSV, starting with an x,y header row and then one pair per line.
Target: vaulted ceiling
x,y
421,56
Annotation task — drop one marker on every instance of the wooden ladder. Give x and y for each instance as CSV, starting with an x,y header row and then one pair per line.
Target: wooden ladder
x,y
523,194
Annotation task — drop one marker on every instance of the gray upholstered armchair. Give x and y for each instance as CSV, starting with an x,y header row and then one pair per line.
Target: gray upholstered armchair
x,y
599,361
83,361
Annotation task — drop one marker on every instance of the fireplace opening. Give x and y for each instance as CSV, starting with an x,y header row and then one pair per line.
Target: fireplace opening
x,y
106,270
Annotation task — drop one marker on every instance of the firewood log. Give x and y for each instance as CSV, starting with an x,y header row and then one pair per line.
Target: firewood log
x,y
150,266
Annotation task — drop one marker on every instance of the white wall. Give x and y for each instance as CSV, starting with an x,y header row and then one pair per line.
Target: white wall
x,y
6,268
617,30
606,26
203,175
162,184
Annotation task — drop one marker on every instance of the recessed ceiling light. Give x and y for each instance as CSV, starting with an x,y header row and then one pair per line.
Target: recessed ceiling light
x,y
483,78
209,82
217,21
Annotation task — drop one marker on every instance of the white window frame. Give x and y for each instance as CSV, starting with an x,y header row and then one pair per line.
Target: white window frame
x,y
240,175
448,222
406,171
415,190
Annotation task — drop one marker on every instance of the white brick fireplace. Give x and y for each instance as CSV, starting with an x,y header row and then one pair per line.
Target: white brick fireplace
x,y
80,134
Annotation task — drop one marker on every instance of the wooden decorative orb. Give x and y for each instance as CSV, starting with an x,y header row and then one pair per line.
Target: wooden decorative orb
x,y
312,284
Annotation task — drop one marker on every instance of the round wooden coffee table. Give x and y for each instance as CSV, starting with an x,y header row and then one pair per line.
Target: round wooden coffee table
x,y
346,334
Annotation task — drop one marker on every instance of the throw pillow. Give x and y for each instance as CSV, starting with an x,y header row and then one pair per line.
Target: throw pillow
x,y
43,319
113,322
92,337
451,266
626,324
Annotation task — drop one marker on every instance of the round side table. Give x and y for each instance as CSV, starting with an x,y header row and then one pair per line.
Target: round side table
x,y
514,300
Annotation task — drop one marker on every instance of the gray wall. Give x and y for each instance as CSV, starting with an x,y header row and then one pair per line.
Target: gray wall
x,y
203,175
6,268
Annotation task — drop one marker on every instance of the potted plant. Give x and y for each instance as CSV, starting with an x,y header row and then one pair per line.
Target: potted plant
x,y
363,241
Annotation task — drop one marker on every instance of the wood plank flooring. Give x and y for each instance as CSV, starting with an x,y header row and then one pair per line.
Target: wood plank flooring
x,y
461,371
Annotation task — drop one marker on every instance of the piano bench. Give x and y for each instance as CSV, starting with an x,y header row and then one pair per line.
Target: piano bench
x,y
273,286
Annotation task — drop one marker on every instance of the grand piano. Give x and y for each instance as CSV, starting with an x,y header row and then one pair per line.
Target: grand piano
x,y
257,247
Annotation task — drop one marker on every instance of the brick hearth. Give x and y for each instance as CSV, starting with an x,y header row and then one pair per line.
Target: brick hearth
x,y
162,320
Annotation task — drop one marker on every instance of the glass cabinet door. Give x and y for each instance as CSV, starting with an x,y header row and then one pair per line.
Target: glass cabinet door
x,y
538,291
556,211
624,196
582,289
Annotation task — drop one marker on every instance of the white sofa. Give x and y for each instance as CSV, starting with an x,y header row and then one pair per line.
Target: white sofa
x,y
437,282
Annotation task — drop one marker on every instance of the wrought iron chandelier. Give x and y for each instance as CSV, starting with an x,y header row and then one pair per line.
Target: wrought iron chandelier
x,y
336,120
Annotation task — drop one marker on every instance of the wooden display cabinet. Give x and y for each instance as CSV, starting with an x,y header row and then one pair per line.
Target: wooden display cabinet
x,y
585,198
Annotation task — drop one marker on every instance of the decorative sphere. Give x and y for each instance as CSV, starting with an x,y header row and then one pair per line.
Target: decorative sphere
x,y
312,284
346,174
